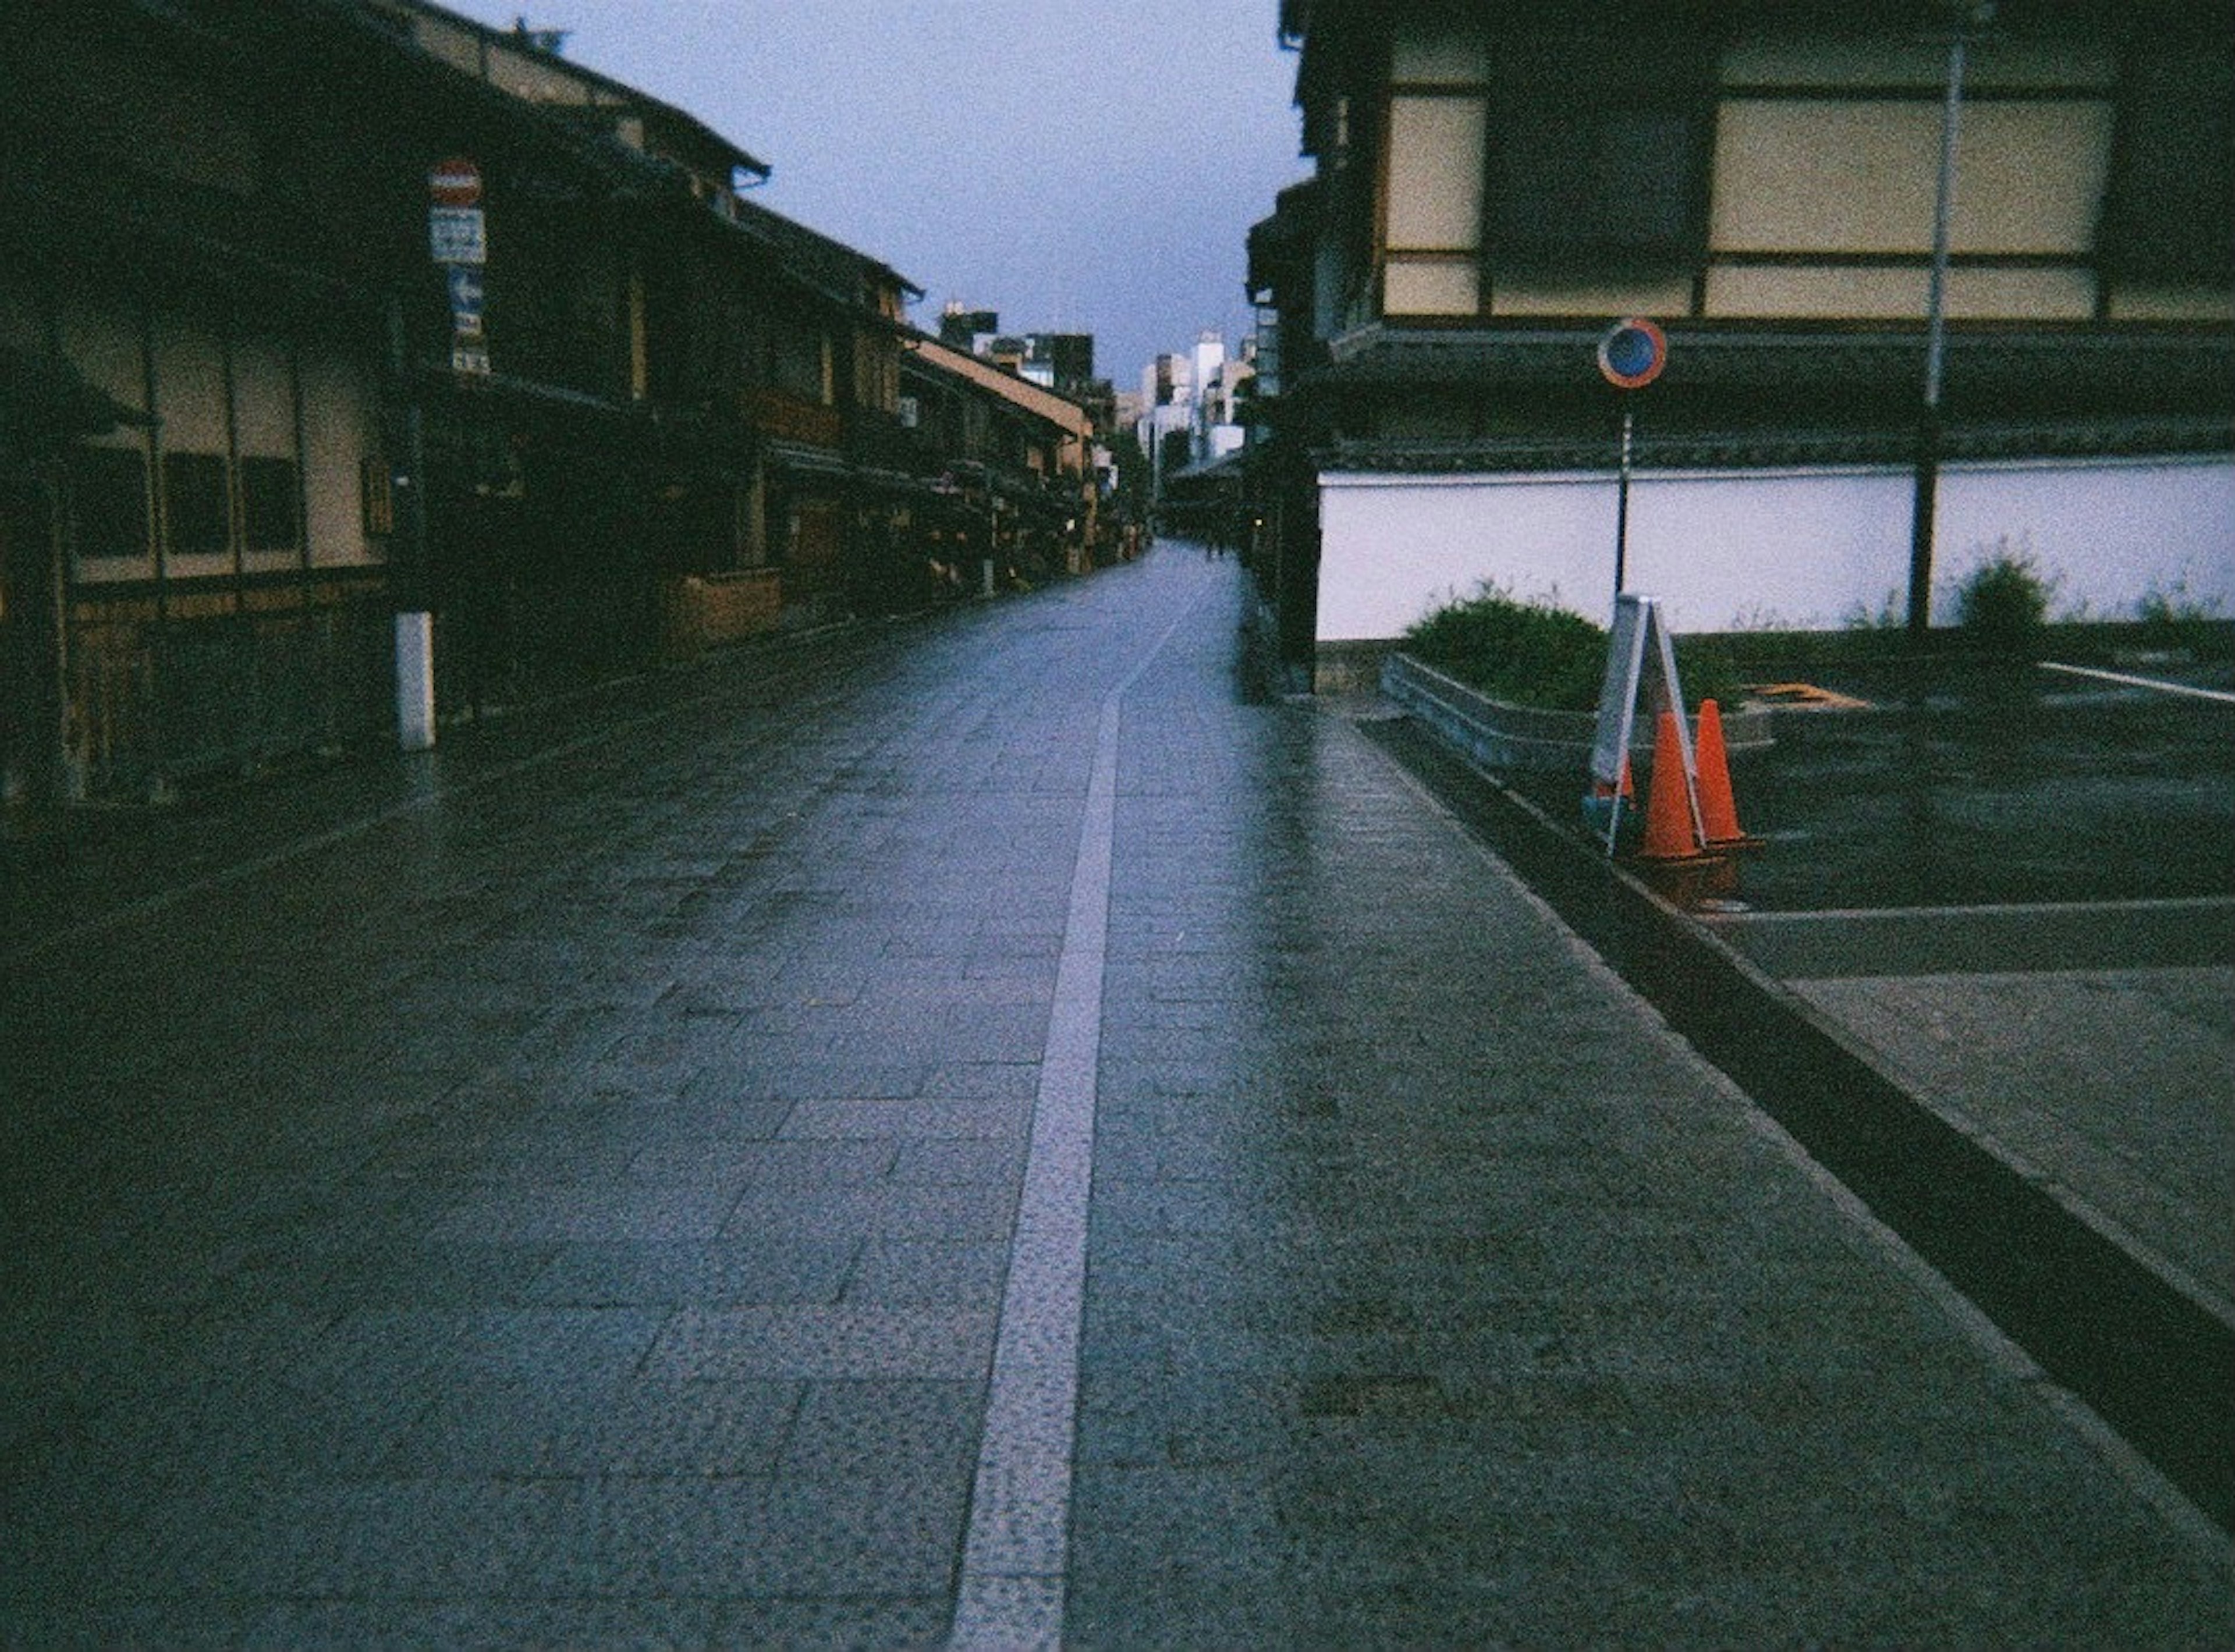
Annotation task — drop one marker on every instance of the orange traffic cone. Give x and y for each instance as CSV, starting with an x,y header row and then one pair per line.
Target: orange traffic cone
x,y
1718,810
1670,832
1605,793
1605,805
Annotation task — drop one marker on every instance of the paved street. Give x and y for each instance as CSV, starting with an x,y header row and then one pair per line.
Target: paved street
x,y
962,1129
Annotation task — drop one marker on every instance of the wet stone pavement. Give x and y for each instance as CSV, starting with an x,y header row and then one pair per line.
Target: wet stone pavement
x,y
972,1128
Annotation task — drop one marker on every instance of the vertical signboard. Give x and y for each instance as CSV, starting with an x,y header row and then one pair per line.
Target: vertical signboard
x,y
458,239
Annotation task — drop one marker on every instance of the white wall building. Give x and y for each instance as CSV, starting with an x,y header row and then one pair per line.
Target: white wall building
x,y
1787,195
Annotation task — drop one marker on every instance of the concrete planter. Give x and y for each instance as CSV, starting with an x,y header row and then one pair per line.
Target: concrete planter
x,y
1500,735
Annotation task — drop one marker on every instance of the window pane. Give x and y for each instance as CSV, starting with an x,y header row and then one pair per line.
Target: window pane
x,y
270,502
109,500
1435,174
376,497
1647,159
195,518
2172,201
1598,182
799,362
1600,143
1546,185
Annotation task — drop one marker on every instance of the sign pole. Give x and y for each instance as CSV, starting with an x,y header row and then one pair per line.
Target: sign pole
x,y
410,584
1622,503
457,245
1925,501
1631,357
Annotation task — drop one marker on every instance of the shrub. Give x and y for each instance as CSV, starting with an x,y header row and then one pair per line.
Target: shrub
x,y
1527,653
1709,670
1533,653
1887,616
2002,604
2171,618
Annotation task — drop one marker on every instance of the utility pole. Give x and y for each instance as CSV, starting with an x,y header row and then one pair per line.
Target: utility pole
x,y
1968,13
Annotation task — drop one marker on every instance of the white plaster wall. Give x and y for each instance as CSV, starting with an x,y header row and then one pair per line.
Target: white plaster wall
x,y
340,417
2107,535
1806,550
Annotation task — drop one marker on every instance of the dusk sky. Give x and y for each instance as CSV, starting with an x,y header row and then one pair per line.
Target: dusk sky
x,y
1077,166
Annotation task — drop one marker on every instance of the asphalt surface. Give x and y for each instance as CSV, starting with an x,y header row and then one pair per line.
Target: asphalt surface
x,y
972,1128
2018,894
2013,889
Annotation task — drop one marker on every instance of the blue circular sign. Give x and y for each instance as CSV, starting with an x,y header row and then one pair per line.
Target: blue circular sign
x,y
1633,353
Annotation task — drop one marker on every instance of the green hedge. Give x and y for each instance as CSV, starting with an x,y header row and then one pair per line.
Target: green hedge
x,y
1532,653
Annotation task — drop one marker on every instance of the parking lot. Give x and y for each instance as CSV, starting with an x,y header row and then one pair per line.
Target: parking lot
x,y
2004,896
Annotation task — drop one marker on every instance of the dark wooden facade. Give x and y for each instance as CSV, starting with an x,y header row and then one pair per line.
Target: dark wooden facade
x,y
236,440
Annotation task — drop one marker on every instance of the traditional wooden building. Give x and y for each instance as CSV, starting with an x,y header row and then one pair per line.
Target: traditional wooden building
x,y
212,570
1496,184
766,353
262,389
1014,461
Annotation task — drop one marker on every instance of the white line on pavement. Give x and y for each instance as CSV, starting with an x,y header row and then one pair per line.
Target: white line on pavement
x,y
2220,695
1014,1566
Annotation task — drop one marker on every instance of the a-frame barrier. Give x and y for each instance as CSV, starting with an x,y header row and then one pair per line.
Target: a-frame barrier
x,y
1638,625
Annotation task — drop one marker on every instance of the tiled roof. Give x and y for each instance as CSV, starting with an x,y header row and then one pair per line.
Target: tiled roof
x,y
2189,362
834,266
1779,449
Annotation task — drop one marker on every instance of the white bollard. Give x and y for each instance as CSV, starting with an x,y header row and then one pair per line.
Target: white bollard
x,y
415,681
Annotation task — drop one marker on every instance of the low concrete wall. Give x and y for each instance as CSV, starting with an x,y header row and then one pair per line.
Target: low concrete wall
x,y
1998,941
1500,735
1349,667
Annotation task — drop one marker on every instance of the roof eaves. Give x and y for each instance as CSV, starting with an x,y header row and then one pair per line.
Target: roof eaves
x,y
603,158
815,257
634,100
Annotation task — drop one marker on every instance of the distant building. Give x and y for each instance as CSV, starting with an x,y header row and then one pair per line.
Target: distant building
x,y
1220,413
1168,381
1167,406
1199,393
1018,494
1068,357
968,331
1055,360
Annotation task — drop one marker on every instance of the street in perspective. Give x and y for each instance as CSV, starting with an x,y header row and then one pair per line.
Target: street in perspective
x,y
1350,823
579,1193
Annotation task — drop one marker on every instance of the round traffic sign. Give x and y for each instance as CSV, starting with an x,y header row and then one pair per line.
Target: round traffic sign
x,y
1633,353
454,182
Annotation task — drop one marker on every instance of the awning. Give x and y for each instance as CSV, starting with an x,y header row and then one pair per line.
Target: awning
x,y
808,462
46,403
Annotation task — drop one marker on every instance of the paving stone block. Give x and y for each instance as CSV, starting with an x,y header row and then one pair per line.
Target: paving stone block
x,y
845,1342
755,1270
872,1428
924,1272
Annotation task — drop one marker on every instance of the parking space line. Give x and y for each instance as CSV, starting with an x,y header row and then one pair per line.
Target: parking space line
x,y
2162,687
